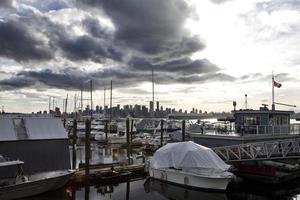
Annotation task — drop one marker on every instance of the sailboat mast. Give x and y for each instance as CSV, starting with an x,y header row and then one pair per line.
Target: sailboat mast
x,y
153,92
104,110
66,104
91,87
110,100
273,102
81,106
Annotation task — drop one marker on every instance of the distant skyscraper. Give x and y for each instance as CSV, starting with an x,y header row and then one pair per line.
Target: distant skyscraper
x,y
157,106
151,106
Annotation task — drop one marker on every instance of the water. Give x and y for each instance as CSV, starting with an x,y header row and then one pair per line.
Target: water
x,y
155,190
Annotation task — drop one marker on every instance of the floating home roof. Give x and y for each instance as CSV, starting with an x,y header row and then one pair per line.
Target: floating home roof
x,y
14,128
250,111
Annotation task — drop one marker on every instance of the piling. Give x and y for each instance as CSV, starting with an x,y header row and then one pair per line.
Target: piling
x,y
64,122
74,144
161,132
127,190
127,140
106,129
183,130
87,148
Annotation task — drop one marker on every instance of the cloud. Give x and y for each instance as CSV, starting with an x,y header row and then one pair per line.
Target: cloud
x,y
18,43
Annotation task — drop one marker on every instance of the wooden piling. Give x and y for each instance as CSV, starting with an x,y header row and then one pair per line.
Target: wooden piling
x,y
74,144
127,140
161,132
106,129
87,148
183,130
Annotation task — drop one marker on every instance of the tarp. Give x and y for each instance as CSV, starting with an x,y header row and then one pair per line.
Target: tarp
x,y
187,156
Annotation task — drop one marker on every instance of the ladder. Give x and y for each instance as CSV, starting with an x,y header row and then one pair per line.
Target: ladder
x,y
267,150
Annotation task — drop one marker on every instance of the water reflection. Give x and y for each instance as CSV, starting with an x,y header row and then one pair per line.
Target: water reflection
x,y
171,191
151,189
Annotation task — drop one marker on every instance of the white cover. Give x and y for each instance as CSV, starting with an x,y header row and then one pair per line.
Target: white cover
x,y
188,156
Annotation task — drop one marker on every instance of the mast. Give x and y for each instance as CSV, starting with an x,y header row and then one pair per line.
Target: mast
x,y
66,104
91,87
273,104
49,104
104,110
153,92
81,102
110,100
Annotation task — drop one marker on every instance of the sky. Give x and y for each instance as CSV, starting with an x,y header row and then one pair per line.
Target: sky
x,y
205,54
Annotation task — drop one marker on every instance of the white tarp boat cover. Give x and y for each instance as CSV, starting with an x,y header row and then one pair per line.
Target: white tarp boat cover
x,y
188,156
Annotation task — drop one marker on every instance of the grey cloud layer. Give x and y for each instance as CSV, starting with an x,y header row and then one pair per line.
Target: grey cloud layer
x,y
146,35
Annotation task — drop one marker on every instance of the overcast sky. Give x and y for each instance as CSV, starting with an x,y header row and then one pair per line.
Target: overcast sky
x,y
205,54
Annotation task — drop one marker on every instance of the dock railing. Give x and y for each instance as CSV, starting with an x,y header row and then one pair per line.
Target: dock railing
x,y
267,129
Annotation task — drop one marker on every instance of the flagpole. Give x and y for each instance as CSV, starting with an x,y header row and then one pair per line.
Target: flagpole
x,y
273,104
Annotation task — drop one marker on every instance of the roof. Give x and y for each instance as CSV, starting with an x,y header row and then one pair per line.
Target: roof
x,y
249,111
31,128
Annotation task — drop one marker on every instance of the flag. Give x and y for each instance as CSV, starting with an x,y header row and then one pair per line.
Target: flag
x,y
276,84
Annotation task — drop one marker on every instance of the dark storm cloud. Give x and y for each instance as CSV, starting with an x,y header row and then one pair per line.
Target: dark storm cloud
x,y
152,27
5,3
185,66
18,43
87,48
75,79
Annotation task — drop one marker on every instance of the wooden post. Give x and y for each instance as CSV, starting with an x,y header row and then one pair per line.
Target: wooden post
x,y
87,149
127,140
183,130
127,190
105,129
74,144
131,130
161,132
64,121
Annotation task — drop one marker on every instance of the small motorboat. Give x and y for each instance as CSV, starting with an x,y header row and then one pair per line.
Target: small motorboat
x,y
190,164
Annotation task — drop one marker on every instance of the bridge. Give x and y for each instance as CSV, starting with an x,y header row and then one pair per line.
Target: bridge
x,y
268,150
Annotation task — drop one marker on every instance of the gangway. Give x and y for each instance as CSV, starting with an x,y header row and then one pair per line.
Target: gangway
x,y
268,150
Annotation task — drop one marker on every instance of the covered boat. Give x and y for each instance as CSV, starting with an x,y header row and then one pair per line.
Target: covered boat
x,y
190,164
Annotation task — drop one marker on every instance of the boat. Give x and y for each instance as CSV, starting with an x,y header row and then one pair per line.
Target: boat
x,y
21,185
38,146
191,165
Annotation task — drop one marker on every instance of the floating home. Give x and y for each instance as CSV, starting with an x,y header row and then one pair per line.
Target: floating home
x,y
41,142
250,126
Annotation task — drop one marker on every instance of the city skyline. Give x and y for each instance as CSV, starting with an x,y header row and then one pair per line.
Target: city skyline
x,y
204,54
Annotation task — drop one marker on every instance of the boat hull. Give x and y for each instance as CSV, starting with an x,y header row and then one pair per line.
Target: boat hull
x,y
51,181
190,180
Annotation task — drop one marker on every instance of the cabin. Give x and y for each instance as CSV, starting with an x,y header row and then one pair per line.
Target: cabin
x,y
41,142
262,121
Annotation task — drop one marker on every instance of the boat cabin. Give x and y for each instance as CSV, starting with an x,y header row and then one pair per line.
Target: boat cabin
x,y
262,121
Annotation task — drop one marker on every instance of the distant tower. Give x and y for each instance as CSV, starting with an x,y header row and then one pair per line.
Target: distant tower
x,y
157,106
234,105
246,102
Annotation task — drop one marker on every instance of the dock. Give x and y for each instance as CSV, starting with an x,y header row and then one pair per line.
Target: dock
x,y
108,175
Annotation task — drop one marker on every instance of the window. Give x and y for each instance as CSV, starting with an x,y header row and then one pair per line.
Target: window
x,y
253,120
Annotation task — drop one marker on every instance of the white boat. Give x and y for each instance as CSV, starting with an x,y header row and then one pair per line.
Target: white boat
x,y
191,165
20,186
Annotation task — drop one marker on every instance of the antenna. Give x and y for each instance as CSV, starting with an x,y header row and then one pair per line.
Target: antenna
x,y
246,102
